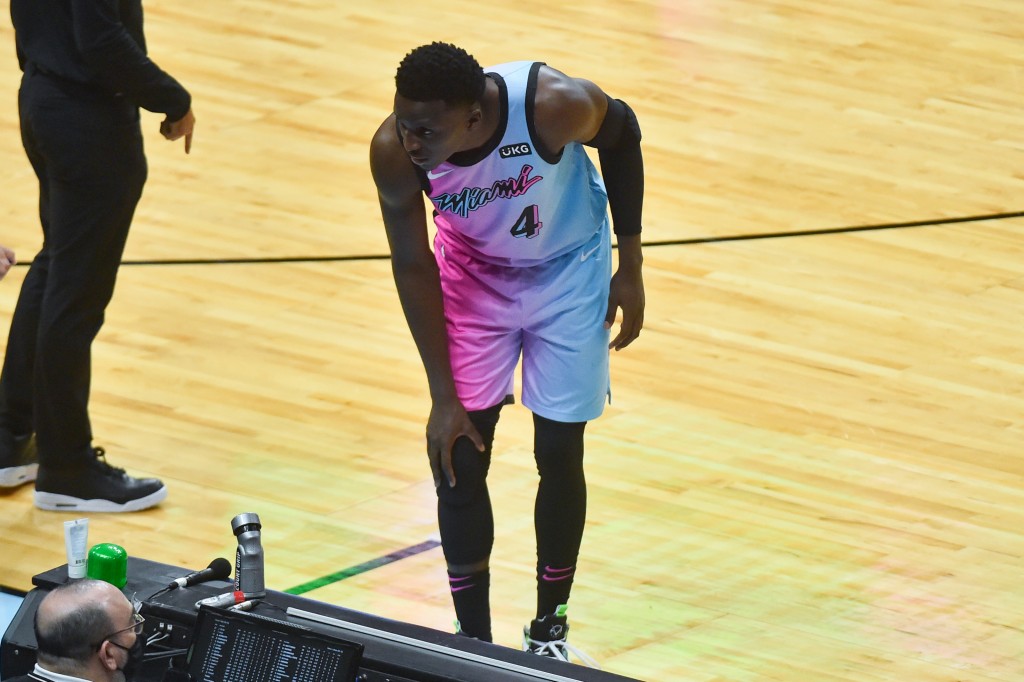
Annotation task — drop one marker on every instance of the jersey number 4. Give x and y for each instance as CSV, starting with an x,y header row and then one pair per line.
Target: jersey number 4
x,y
529,223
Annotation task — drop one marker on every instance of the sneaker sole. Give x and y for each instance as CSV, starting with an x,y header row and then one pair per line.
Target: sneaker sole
x,y
12,477
55,502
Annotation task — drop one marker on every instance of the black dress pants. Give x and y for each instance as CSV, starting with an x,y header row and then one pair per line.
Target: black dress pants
x,y
85,146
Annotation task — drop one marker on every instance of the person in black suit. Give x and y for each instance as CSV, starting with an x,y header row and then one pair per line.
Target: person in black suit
x,y
86,73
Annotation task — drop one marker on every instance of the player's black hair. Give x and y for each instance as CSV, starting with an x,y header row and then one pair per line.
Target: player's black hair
x,y
440,71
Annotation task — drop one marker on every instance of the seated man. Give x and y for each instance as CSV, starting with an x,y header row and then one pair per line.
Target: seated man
x,y
86,630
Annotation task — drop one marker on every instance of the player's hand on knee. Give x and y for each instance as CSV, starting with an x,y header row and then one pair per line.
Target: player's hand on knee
x,y
447,423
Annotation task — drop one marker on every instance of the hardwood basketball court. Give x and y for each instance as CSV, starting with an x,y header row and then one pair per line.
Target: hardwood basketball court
x,y
811,469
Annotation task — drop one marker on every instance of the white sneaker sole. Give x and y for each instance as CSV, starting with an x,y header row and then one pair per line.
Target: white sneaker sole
x,y
12,477
55,502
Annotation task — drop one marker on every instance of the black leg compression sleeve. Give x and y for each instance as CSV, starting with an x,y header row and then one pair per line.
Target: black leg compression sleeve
x,y
561,508
471,597
464,512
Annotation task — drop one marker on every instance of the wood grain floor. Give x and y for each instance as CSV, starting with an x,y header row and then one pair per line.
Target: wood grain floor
x,y
811,469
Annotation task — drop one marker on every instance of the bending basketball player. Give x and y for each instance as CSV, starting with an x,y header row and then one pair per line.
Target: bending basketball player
x,y
521,266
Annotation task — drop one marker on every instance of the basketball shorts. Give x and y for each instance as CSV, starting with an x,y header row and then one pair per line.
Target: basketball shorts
x,y
551,315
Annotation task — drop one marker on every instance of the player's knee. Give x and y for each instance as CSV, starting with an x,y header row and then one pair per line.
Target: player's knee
x,y
470,466
558,448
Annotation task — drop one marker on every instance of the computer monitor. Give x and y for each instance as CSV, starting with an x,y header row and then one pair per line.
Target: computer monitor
x,y
234,646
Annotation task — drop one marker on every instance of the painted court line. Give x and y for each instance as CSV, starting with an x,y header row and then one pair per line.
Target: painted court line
x,y
364,567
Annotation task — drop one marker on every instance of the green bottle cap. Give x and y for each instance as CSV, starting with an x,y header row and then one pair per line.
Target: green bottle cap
x,y
108,562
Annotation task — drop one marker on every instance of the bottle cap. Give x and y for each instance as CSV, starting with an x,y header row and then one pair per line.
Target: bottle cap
x,y
108,562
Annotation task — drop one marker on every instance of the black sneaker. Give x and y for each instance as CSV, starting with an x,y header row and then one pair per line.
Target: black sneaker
x,y
18,460
546,637
96,487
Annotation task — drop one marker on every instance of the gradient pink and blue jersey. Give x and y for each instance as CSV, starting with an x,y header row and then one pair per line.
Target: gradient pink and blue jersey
x,y
506,203
523,246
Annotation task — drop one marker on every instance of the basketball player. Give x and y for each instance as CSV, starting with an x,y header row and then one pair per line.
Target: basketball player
x,y
521,266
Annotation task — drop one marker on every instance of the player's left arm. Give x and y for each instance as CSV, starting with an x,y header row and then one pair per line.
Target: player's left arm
x,y
577,110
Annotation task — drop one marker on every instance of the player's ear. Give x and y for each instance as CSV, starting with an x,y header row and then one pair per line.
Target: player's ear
x,y
476,116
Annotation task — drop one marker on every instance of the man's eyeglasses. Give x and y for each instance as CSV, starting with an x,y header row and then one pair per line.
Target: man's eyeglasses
x,y
138,620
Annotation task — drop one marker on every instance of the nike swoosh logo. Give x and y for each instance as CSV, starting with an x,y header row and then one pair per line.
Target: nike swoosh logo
x,y
587,254
431,175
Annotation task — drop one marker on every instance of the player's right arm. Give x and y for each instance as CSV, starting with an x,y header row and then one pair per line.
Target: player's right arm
x,y
419,291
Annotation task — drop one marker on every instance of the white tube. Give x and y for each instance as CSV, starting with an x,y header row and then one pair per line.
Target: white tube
x,y
76,540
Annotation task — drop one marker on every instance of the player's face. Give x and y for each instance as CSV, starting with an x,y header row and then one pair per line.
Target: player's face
x,y
433,131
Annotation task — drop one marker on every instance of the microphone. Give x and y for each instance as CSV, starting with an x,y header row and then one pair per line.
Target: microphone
x,y
217,570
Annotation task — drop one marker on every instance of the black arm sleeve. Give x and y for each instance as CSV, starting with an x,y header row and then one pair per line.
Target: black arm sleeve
x,y
120,60
622,166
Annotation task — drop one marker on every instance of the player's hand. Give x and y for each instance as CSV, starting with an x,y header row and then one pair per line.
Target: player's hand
x,y
626,292
447,423
7,259
183,127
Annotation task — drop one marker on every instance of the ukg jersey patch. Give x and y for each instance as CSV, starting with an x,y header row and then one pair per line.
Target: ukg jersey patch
x,y
517,149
